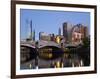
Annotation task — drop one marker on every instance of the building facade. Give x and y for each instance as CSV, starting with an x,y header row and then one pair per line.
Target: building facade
x,y
65,32
74,33
67,27
79,32
44,36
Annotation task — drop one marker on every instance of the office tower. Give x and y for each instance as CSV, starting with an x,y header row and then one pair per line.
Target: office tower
x,y
33,35
40,35
67,28
31,30
29,25
59,31
44,36
65,34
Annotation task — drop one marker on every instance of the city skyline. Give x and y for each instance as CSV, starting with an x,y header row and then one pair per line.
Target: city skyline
x,y
50,21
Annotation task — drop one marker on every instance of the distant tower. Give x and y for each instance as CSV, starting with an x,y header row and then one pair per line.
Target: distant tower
x,y
65,34
59,31
67,27
33,35
40,35
30,37
31,30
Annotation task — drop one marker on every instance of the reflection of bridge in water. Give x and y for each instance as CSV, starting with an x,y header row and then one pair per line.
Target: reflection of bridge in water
x,y
49,55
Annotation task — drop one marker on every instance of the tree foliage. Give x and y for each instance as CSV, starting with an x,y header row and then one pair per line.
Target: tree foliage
x,y
86,42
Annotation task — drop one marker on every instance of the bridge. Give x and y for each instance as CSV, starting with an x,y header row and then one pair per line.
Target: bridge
x,y
28,44
47,43
41,44
49,49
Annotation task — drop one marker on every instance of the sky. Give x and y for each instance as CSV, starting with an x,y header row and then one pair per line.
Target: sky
x,y
49,21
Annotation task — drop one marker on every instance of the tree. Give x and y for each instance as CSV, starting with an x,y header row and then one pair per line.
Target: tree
x,y
86,42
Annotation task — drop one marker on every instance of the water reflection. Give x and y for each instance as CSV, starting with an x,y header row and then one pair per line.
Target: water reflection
x,y
52,57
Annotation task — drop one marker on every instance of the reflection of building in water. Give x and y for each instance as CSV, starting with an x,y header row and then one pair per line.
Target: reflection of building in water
x,y
45,53
27,51
25,54
49,49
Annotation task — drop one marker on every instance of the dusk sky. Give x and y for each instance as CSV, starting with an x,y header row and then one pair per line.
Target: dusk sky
x,y
49,21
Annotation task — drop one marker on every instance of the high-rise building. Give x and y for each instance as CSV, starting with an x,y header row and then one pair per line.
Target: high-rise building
x,y
65,34
59,31
67,31
31,29
40,35
44,36
33,35
29,37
